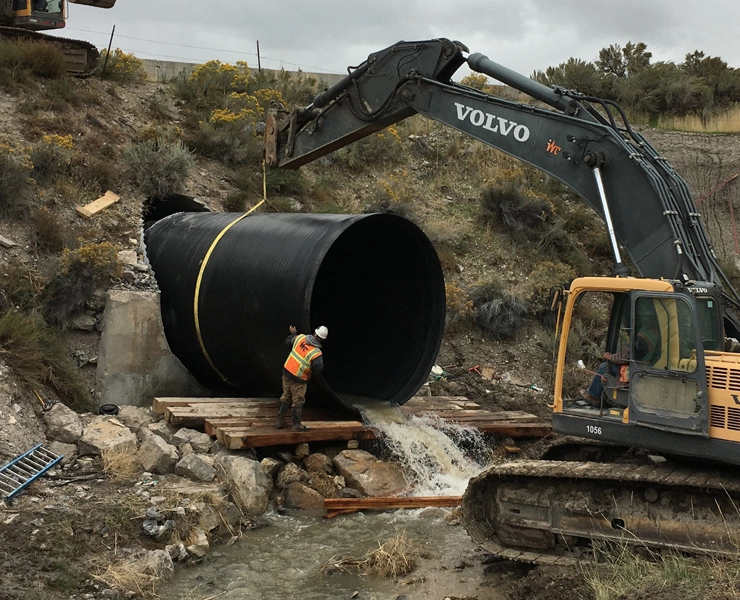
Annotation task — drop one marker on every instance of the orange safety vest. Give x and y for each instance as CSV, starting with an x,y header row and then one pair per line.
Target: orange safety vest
x,y
300,357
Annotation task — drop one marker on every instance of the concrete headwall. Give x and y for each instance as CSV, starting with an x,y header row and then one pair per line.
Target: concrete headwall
x,y
165,70
135,363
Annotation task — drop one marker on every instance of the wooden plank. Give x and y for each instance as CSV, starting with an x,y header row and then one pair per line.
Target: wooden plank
x,y
343,506
516,430
106,200
232,408
181,415
251,437
160,404
479,414
384,502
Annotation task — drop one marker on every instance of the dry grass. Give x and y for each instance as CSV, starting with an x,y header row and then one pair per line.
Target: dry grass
x,y
323,483
119,465
130,578
394,558
725,122
626,571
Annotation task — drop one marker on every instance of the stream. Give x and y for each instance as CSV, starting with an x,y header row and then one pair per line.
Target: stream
x,y
292,556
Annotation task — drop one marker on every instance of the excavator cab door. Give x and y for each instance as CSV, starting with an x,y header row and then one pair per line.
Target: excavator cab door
x,y
667,376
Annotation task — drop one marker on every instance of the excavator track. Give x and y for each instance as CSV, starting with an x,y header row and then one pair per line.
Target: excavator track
x,y
80,57
552,512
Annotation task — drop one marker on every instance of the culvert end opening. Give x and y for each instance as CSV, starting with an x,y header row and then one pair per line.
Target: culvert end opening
x,y
374,280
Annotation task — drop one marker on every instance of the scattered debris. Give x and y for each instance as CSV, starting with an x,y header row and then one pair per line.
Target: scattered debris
x,y
6,243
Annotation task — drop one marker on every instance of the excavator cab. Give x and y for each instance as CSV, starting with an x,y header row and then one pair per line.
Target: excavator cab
x,y
41,15
672,381
34,15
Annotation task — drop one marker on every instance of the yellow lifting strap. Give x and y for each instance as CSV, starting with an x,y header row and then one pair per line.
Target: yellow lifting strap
x,y
217,239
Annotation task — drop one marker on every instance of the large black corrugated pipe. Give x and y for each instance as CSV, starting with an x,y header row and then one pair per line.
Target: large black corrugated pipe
x,y
230,288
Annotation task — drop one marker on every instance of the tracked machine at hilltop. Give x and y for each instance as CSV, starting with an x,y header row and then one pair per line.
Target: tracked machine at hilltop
x,y
25,19
682,403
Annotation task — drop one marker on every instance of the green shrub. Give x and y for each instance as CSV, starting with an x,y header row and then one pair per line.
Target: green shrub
x,y
459,306
15,183
285,182
83,270
36,355
50,235
542,279
499,313
121,67
61,93
35,57
297,89
502,318
51,156
379,148
21,287
524,218
158,167
231,143
208,86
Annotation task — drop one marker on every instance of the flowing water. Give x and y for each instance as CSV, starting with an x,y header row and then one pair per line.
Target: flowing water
x,y
288,558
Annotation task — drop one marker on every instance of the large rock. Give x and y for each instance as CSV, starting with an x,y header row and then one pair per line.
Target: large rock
x,y
158,563
195,467
250,487
135,363
106,435
135,417
297,495
290,473
200,442
318,462
369,475
157,456
66,451
271,466
163,429
63,424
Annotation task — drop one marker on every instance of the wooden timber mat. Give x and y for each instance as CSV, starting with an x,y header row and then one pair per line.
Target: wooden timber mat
x,y
241,423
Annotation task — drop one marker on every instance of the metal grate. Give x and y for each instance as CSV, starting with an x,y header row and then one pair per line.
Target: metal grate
x,y
733,418
717,416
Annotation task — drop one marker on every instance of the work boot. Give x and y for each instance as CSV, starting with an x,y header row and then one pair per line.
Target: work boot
x,y
297,425
281,416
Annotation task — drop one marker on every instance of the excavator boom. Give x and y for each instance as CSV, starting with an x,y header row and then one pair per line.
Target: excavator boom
x,y
586,143
552,511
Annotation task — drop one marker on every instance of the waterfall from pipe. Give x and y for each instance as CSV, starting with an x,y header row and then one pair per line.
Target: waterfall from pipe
x,y
438,457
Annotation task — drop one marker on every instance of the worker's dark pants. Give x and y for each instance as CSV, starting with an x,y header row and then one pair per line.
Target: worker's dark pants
x,y
294,393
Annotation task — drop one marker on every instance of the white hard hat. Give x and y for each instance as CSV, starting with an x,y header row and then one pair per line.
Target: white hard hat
x,y
322,332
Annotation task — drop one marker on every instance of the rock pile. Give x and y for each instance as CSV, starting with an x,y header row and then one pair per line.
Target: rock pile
x,y
241,486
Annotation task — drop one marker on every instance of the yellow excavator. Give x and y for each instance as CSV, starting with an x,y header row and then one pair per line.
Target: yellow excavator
x,y
26,18
675,398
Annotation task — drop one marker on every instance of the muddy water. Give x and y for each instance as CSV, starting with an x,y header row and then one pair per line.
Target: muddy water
x,y
284,560
288,558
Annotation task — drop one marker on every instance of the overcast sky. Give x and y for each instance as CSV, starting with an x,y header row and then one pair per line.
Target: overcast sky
x,y
330,35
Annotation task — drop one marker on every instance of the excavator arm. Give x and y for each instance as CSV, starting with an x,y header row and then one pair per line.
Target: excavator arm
x,y
584,142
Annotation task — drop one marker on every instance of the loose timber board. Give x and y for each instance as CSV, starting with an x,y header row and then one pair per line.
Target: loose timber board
x,y
250,422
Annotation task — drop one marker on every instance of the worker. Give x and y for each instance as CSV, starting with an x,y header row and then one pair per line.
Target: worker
x,y
305,359
616,365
